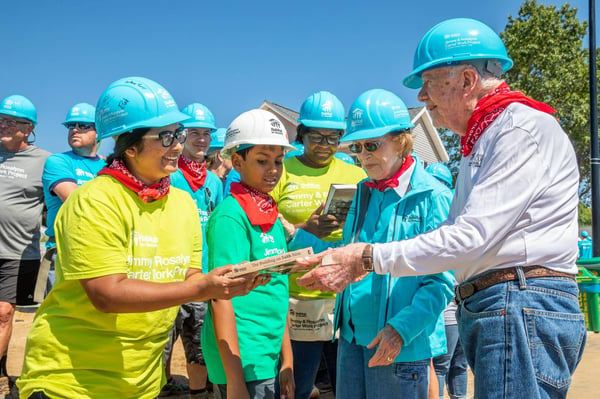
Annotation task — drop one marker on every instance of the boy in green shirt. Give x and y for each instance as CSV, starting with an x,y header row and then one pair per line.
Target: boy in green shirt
x,y
242,339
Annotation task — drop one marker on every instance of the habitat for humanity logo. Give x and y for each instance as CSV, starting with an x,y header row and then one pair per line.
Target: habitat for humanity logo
x,y
326,109
200,114
276,127
357,117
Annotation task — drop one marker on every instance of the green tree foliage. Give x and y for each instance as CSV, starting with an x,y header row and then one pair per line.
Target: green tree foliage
x,y
550,65
585,215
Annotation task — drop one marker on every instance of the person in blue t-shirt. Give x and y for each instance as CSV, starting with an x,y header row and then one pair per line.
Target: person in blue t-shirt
x,y
206,189
64,172
585,246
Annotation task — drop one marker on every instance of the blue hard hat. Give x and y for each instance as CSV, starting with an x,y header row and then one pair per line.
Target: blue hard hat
x,y
217,138
82,112
133,103
375,113
200,116
322,110
441,172
19,107
455,40
345,157
584,234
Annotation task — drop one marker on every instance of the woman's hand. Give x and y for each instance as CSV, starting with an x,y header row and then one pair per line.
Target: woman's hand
x,y
388,343
321,225
217,285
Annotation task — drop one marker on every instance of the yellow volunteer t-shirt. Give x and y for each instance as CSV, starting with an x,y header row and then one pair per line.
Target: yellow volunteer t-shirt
x,y
301,190
76,351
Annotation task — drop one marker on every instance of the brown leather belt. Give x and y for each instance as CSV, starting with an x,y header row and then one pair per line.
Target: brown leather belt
x,y
468,288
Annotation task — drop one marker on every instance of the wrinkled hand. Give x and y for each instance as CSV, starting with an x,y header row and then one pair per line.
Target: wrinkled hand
x,y
339,268
287,386
321,225
220,286
388,343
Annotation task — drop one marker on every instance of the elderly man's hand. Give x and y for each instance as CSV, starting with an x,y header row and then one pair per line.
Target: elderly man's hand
x,y
338,268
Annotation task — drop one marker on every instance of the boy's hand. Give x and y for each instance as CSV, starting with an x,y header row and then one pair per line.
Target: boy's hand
x,y
287,386
219,286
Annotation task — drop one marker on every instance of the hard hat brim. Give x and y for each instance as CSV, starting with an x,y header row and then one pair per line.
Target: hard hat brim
x,y
373,133
323,124
159,121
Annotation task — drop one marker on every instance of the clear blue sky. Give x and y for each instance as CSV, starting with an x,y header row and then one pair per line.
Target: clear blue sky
x,y
228,55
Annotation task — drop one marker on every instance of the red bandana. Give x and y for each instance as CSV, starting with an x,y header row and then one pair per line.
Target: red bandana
x,y
393,181
194,172
260,208
119,171
489,107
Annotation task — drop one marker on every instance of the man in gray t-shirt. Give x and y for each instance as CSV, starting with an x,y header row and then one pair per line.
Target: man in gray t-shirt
x,y
22,201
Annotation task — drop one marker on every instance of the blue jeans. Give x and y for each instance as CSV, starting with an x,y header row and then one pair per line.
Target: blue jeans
x,y
523,339
402,380
259,389
451,368
307,358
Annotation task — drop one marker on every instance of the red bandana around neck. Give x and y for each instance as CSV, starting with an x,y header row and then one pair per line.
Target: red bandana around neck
x,y
489,107
119,171
194,172
260,208
393,181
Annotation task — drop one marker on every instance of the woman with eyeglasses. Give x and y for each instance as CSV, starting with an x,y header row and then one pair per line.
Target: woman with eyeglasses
x,y
389,328
206,190
300,195
129,252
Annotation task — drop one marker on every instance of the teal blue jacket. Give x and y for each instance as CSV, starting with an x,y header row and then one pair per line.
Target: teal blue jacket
x,y
412,305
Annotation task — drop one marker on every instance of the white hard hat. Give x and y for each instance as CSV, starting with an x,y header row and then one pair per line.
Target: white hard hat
x,y
254,127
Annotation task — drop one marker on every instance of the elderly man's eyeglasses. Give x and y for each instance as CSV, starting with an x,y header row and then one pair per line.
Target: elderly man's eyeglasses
x,y
370,146
79,125
318,138
12,122
167,137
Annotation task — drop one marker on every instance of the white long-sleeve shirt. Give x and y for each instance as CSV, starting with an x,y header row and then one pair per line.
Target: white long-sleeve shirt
x,y
515,205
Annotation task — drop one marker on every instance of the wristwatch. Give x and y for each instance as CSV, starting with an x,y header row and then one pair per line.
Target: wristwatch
x,y
367,258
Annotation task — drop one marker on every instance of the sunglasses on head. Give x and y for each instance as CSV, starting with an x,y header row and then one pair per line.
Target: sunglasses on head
x,y
167,137
79,125
370,146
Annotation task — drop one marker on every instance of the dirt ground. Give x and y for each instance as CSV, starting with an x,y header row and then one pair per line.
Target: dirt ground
x,y
585,385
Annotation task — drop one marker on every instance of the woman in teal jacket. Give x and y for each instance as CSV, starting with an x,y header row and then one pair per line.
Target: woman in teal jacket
x,y
389,328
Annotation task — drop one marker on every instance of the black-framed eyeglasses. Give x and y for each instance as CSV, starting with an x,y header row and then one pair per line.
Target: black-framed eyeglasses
x,y
12,122
79,125
168,137
370,146
318,138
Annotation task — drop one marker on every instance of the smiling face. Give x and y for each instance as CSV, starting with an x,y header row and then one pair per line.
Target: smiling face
x,y
150,161
444,97
197,143
14,132
389,156
261,168
318,152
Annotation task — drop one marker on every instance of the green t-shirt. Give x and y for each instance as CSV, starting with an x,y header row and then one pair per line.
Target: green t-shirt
x,y
75,351
261,315
301,190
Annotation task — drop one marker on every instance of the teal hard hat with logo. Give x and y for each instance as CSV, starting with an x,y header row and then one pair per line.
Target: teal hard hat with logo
x,y
345,157
134,103
453,41
375,113
322,110
82,112
217,138
199,116
19,107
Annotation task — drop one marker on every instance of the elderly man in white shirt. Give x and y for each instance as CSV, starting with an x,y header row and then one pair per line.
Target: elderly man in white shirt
x,y
516,192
